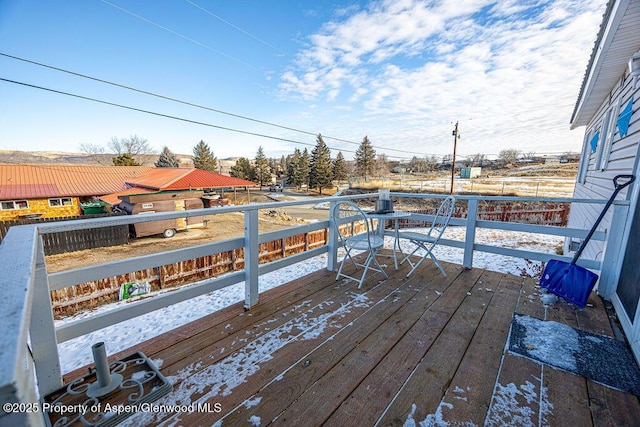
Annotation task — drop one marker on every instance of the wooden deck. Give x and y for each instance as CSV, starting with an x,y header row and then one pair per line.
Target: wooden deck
x,y
317,351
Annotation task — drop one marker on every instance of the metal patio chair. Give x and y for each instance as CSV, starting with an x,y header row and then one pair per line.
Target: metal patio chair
x,y
428,241
354,234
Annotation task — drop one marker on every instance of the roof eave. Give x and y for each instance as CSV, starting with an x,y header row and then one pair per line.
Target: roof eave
x,y
603,40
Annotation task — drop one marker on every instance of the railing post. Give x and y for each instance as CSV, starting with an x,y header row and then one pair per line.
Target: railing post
x,y
251,255
332,254
470,235
610,270
17,370
42,329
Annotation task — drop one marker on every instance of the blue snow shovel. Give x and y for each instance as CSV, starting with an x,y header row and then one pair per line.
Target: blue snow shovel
x,y
572,282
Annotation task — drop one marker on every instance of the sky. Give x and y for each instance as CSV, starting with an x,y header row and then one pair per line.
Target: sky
x,y
247,74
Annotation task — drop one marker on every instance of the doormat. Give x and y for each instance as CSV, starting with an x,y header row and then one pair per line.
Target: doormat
x,y
597,357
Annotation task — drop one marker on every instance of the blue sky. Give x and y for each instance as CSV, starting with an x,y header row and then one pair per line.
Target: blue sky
x,y
401,72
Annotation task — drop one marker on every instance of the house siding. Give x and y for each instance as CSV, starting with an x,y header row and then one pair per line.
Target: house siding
x,y
41,207
598,183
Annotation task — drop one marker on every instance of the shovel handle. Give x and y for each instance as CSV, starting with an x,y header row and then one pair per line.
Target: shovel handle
x,y
618,186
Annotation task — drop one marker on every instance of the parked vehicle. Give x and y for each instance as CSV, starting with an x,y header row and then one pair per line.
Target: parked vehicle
x,y
141,204
276,187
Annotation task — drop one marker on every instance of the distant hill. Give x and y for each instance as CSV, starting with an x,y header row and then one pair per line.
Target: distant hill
x,y
64,158
59,157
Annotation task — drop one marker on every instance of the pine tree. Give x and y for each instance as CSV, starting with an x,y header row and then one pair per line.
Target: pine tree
x,y
292,168
124,160
304,167
340,168
320,173
167,159
242,169
261,168
365,158
283,165
203,158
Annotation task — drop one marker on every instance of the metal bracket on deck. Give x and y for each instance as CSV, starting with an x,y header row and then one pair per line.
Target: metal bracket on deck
x,y
108,394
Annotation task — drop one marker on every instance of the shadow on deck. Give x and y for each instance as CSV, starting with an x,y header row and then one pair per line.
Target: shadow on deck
x,y
319,351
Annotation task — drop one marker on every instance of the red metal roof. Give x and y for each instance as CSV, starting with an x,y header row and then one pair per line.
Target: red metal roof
x,y
50,180
162,179
157,178
199,178
114,198
41,181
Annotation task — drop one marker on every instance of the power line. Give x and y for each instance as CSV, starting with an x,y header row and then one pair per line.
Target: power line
x,y
154,113
113,104
234,26
191,104
181,36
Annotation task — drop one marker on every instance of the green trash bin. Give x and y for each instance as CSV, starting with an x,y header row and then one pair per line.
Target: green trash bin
x,y
92,208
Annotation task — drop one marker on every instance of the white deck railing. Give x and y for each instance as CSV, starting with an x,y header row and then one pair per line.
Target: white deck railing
x,y
28,347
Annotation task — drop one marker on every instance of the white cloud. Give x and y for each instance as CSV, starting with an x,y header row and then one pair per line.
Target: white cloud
x,y
509,70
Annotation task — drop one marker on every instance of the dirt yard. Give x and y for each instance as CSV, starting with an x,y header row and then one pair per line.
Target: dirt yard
x,y
219,227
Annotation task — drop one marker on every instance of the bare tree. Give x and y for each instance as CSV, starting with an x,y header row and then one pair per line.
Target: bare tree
x,y
477,159
417,164
134,146
431,163
382,165
509,155
96,152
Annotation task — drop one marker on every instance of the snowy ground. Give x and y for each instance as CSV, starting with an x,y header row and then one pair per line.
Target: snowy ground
x,y
77,352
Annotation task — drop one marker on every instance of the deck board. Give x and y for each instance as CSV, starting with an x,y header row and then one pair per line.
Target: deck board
x,y
330,390
472,386
319,351
422,392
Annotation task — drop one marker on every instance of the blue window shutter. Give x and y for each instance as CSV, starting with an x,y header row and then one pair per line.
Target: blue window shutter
x,y
624,118
594,141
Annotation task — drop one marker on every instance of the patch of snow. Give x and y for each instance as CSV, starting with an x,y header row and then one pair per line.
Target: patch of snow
x,y
410,422
506,407
250,403
550,340
503,238
546,407
76,353
460,393
432,420
548,298
594,339
198,384
255,420
137,376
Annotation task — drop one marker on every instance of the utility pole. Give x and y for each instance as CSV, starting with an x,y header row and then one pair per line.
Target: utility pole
x,y
453,161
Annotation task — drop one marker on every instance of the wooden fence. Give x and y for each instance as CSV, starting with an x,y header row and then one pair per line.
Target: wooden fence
x,y
71,300
556,214
70,241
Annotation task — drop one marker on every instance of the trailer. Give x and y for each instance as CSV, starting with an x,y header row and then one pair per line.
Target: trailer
x,y
166,201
